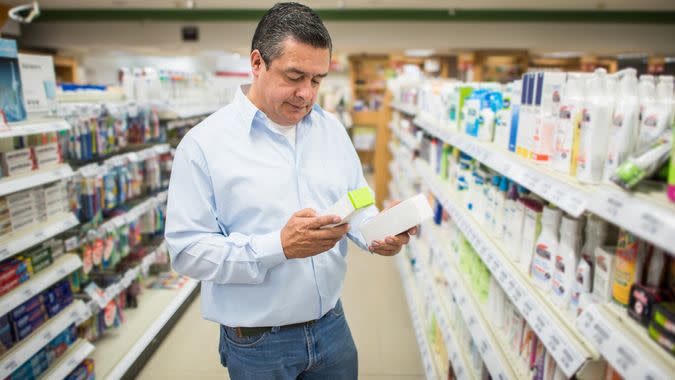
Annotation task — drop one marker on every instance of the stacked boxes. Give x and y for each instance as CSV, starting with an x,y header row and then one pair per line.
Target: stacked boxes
x,y
13,273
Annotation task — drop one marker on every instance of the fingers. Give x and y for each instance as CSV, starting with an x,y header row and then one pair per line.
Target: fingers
x,y
412,231
334,233
305,213
324,220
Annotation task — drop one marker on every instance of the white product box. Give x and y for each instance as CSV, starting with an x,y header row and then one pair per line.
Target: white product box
x,y
351,205
46,155
405,215
39,84
16,162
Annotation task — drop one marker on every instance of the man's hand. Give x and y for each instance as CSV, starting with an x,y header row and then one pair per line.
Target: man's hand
x,y
392,244
302,235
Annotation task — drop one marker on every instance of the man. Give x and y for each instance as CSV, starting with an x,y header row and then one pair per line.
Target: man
x,y
242,215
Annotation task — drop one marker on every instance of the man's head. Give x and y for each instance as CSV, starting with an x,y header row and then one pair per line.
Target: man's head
x,y
290,55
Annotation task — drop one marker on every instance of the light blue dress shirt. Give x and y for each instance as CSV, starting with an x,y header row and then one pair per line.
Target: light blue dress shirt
x,y
235,183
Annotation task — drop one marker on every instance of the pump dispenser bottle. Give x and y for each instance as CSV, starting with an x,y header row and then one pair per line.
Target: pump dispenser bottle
x,y
594,130
625,122
657,113
565,261
546,247
596,233
570,113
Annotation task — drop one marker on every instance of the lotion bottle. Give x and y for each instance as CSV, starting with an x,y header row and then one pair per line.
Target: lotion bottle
x,y
570,113
657,113
546,248
565,261
625,122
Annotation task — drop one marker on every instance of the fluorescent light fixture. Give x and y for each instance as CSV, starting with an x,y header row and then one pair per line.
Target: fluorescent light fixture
x,y
419,53
563,54
632,55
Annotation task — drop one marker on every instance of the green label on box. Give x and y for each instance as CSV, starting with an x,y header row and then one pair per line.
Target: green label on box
x,y
361,198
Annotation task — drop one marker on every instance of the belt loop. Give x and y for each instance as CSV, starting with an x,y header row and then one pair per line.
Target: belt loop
x,y
276,329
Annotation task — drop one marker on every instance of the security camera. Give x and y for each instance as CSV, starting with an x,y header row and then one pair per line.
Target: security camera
x,y
25,14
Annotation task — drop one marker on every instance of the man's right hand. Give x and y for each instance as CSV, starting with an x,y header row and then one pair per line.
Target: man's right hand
x,y
302,235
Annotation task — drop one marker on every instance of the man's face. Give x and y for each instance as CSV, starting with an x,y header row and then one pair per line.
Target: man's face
x,y
287,88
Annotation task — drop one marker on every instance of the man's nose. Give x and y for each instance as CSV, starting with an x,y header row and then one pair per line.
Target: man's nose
x,y
305,91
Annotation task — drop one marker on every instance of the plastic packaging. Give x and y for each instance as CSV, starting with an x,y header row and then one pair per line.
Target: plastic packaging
x,y
548,100
625,123
594,128
546,248
643,164
531,230
596,233
565,264
657,111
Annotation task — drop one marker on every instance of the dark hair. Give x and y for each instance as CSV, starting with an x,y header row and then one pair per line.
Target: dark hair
x,y
285,20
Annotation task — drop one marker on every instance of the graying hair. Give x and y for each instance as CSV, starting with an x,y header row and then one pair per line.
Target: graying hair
x,y
285,20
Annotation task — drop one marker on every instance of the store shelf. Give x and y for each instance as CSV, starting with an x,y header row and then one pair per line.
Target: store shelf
x,y
404,108
649,216
118,349
496,361
460,364
10,185
135,212
60,268
31,127
556,331
69,361
182,123
33,235
625,344
418,325
24,350
185,112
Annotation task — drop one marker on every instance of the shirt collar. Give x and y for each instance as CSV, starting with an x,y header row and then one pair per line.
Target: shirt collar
x,y
249,111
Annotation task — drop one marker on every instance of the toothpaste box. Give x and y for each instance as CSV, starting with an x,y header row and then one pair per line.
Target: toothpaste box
x,y
17,162
351,205
47,155
398,219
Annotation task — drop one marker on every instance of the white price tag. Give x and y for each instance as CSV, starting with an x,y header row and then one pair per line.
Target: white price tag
x,y
10,366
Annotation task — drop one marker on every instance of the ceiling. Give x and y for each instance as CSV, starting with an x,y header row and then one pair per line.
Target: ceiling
x,y
644,5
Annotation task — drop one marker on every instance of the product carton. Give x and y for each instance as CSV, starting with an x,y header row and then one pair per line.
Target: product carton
x,y
39,84
398,219
351,205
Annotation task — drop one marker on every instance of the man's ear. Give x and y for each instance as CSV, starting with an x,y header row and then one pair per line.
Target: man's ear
x,y
257,63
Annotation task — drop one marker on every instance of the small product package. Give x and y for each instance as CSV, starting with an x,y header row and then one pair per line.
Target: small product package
x,y
351,205
405,215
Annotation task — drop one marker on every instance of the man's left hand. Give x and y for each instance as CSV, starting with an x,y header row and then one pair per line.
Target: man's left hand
x,y
392,245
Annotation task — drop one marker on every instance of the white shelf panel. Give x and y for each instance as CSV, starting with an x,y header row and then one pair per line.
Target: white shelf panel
x,y
562,341
30,127
625,344
69,361
418,325
184,112
649,216
405,108
63,266
460,365
10,185
33,235
159,320
24,350
495,359
181,123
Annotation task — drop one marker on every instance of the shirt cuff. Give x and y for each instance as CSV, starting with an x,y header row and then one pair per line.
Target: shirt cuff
x,y
268,249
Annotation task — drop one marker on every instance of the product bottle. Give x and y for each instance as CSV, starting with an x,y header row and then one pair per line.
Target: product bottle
x,y
626,271
516,100
596,233
603,274
490,210
624,127
531,231
549,112
525,122
570,113
499,208
565,262
657,112
671,171
518,213
546,248
656,269
594,129
503,119
509,221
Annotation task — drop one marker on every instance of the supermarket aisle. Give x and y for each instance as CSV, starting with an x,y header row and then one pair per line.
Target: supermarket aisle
x,y
375,307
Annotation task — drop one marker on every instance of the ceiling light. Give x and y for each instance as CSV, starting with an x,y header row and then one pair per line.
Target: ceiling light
x,y
189,4
419,53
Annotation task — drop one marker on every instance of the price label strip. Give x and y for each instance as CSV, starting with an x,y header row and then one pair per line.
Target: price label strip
x,y
624,353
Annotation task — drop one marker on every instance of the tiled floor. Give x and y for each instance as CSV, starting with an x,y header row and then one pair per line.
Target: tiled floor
x,y
376,309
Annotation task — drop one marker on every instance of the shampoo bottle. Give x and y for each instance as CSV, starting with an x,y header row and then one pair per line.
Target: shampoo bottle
x,y
531,231
624,126
499,208
657,113
515,114
596,233
671,171
565,262
603,274
570,113
503,119
594,129
546,248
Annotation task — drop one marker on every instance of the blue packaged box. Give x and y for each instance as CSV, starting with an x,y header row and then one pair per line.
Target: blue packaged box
x,y
27,307
11,92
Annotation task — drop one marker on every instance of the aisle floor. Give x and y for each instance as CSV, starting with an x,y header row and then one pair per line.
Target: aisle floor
x,y
376,309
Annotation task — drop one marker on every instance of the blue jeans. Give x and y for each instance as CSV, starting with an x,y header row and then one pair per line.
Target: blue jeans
x,y
322,350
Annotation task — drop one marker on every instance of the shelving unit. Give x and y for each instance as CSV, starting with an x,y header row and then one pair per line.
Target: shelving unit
x,y
36,178
187,112
31,127
60,268
648,216
119,349
69,360
25,349
413,304
625,344
33,235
